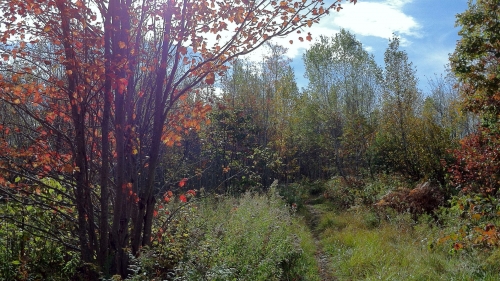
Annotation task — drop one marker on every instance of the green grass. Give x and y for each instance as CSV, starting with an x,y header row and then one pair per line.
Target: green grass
x,y
253,237
363,248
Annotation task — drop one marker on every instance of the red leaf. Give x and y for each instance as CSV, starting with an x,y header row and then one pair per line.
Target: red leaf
x,y
183,182
183,198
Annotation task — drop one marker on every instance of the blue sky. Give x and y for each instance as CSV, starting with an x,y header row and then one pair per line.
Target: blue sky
x,y
426,28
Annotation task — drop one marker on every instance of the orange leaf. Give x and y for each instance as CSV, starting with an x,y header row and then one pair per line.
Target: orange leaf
x,y
183,182
122,85
122,44
210,79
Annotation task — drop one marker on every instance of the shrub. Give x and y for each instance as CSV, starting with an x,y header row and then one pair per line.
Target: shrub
x,y
423,199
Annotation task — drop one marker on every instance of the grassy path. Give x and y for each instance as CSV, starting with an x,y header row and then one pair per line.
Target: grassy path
x,y
353,245
312,216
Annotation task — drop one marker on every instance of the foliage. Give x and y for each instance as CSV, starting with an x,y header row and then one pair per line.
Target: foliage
x,y
294,194
395,144
350,192
254,237
425,198
478,225
475,60
477,165
98,89
236,161
475,169
344,85
27,251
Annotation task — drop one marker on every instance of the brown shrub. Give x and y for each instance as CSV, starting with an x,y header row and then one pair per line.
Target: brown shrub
x,y
424,198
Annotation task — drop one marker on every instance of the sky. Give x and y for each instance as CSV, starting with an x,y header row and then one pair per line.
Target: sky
x,y
426,28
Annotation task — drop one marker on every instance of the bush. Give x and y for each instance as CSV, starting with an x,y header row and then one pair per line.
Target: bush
x,y
254,237
26,253
424,199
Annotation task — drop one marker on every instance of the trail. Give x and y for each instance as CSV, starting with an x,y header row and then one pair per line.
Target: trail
x,y
323,259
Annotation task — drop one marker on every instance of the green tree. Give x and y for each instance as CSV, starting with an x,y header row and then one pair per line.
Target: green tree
x,y
475,60
401,105
345,81
476,64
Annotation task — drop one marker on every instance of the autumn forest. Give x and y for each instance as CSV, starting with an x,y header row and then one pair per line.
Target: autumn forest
x,y
143,140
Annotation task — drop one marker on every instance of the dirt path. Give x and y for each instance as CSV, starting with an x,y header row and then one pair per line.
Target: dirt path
x,y
324,264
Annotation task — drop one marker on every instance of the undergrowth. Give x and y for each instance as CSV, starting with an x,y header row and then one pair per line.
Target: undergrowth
x,y
367,243
253,237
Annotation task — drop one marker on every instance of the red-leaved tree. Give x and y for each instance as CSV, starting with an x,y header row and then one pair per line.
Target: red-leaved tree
x,y
91,91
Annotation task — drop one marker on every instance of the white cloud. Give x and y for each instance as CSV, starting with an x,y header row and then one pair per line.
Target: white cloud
x,y
297,48
379,19
368,49
398,3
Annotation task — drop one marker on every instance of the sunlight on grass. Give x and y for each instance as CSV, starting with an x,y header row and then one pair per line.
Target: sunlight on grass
x,y
395,250
252,237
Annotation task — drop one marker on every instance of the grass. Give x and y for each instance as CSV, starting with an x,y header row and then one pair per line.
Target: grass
x,y
253,237
364,248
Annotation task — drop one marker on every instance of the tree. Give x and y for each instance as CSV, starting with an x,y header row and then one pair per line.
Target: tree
x,y
401,105
476,64
345,81
261,94
476,60
447,106
99,81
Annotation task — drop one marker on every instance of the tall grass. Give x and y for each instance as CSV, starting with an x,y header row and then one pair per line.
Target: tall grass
x,y
396,249
254,237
